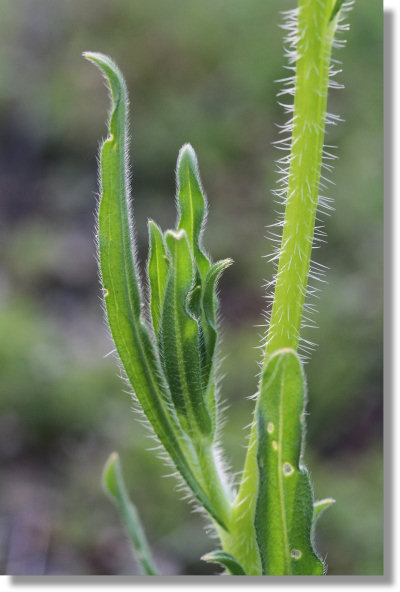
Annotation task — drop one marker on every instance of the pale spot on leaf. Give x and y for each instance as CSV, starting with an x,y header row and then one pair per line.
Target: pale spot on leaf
x,y
287,469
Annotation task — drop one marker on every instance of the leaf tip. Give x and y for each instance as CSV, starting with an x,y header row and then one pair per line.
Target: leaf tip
x,y
187,151
153,227
187,157
93,56
109,474
283,351
228,561
226,262
112,459
320,507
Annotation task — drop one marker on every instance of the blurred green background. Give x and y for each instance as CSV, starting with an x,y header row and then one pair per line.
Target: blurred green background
x,y
202,72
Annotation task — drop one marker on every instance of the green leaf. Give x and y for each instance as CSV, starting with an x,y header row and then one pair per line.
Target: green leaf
x,y
180,339
118,267
122,295
284,507
321,506
226,560
209,306
157,269
192,205
209,328
114,486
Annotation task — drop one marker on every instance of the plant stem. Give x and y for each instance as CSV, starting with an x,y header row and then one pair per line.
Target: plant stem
x,y
314,37
314,44
217,490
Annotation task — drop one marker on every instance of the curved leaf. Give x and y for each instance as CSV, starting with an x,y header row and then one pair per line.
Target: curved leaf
x,y
209,305
226,560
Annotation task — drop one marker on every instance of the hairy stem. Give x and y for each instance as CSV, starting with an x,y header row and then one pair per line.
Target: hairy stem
x,y
314,44
217,488
312,38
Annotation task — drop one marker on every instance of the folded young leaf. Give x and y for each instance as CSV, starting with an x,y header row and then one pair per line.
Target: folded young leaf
x,y
209,305
180,339
114,486
209,332
192,205
157,269
226,560
284,507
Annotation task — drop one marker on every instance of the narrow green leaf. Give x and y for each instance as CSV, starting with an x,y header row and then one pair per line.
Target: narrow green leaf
x,y
157,269
192,205
209,332
209,307
122,295
284,507
118,269
180,338
226,560
321,506
114,486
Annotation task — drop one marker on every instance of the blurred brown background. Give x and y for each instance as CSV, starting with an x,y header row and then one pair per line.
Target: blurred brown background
x,y
202,72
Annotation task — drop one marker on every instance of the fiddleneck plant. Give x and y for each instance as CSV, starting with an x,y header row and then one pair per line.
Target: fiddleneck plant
x,y
168,343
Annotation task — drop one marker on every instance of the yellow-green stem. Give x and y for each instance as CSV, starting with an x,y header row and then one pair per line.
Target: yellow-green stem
x,y
315,31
